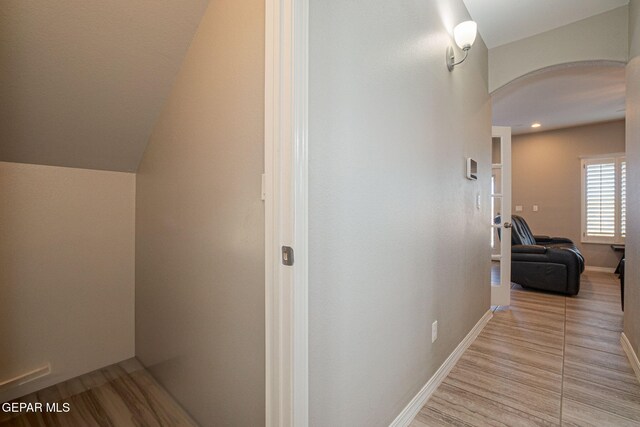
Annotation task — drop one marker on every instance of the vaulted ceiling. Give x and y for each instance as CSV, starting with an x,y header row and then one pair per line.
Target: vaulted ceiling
x,y
82,82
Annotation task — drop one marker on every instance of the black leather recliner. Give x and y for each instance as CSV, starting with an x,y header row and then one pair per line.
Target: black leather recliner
x,y
542,262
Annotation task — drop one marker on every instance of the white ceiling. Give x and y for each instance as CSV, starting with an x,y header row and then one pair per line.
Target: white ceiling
x,y
82,82
505,21
562,97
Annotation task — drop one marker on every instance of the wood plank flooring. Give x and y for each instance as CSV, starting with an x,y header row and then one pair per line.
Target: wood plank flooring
x,y
119,395
546,360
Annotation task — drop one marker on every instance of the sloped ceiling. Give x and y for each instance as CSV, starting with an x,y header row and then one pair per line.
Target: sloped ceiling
x,y
83,81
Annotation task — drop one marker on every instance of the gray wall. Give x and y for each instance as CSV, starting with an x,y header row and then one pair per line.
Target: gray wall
x,y
66,271
200,225
395,239
546,172
632,267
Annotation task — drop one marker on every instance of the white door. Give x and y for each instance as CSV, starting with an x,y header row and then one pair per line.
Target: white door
x,y
501,216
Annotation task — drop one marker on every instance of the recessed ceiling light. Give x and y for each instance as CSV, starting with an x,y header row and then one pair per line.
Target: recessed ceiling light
x,y
536,125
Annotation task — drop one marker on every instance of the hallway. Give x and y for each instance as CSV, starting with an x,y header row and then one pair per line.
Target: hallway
x,y
548,360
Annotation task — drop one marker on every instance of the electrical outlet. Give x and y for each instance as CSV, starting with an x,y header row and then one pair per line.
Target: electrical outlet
x,y
434,331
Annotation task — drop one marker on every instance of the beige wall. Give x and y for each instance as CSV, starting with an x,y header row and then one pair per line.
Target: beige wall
x,y
634,29
546,172
200,225
632,268
66,271
598,38
395,239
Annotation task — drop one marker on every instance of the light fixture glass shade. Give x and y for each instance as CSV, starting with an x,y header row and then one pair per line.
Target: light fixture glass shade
x,y
465,34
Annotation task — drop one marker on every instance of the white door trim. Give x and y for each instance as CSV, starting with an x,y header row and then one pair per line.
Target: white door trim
x,y
286,212
501,295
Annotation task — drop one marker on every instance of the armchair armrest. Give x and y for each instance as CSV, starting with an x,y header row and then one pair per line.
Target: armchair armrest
x,y
561,240
540,238
528,249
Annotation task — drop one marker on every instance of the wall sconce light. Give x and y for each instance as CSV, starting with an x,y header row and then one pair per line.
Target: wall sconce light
x,y
465,35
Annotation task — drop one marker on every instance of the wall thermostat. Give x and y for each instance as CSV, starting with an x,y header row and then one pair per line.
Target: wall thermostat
x,y
472,169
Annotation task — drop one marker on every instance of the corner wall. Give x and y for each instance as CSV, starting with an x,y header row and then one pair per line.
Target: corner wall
x,y
66,271
200,326
395,239
546,172
632,265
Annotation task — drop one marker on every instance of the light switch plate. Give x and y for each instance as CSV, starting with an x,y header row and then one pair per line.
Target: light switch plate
x,y
535,208
518,208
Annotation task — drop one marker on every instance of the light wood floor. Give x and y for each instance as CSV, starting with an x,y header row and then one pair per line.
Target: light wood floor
x,y
121,395
548,360
545,359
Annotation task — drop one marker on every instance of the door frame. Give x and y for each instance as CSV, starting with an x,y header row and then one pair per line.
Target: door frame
x,y
501,295
286,212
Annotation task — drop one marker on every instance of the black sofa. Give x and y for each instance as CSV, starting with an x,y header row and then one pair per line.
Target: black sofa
x,y
542,262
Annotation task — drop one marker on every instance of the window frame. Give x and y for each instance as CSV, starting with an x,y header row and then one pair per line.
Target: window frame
x,y
617,159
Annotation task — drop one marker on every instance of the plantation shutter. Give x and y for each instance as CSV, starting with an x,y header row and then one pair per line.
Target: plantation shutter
x,y
600,197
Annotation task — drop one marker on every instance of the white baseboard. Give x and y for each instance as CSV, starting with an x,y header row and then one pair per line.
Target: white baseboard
x,y
26,377
631,355
599,269
411,410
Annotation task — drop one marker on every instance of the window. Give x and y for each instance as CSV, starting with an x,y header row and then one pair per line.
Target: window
x,y
604,199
